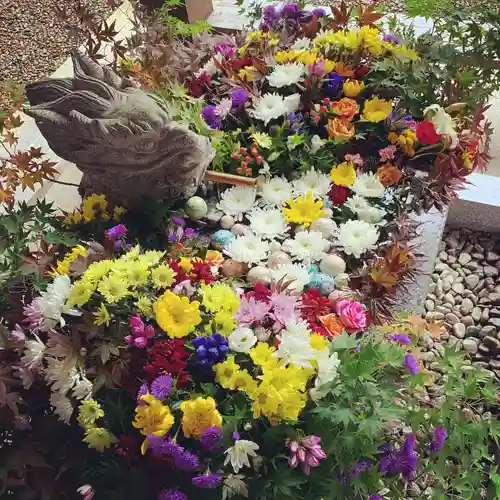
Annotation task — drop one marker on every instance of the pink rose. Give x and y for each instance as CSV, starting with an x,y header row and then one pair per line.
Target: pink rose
x,y
352,314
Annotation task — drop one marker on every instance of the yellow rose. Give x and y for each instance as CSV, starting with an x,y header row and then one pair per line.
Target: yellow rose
x,y
352,88
340,130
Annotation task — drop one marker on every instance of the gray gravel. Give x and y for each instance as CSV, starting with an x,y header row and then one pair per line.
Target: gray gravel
x,y
33,41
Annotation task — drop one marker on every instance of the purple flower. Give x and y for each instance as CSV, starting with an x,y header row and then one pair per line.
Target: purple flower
x,y
332,83
186,461
161,447
291,10
144,389
116,232
190,233
210,350
389,37
239,97
226,50
179,221
438,439
270,15
375,497
359,467
402,462
161,386
211,116
401,338
207,481
411,364
210,439
171,495
319,12
317,69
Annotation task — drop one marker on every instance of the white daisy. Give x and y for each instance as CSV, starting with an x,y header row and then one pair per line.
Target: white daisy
x,y
248,248
237,201
268,223
357,236
62,406
316,182
284,75
242,340
239,454
367,184
275,192
272,106
298,274
301,44
307,246
295,345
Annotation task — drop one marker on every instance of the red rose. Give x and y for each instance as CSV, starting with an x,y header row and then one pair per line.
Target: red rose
x,y
426,133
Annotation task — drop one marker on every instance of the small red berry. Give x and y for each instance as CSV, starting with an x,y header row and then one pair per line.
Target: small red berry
x,y
242,150
326,100
323,109
259,159
317,118
248,159
236,156
255,151
239,170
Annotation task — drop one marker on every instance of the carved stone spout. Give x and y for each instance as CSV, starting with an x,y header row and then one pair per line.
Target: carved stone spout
x,y
120,137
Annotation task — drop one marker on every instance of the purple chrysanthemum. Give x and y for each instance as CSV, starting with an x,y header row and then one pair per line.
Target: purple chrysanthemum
x,y
319,12
411,364
401,338
171,495
402,462
189,233
116,232
239,97
207,481
161,387
291,10
211,116
144,389
186,461
210,439
438,439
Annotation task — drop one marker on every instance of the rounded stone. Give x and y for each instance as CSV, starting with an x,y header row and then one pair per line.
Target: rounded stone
x,y
452,318
458,288
459,330
464,258
239,229
341,280
476,314
429,305
196,208
233,269
325,226
490,271
277,259
467,306
227,222
468,321
221,238
449,299
323,282
332,265
470,345
472,281
258,274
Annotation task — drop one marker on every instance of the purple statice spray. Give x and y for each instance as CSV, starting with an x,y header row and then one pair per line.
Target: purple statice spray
x,y
171,495
411,364
438,439
210,439
404,461
207,481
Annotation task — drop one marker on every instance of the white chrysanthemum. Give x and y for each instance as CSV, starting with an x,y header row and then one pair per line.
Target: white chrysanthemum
x,y
357,236
61,374
295,345
242,340
33,354
298,274
284,75
370,214
356,203
301,44
327,373
368,185
51,303
240,453
237,201
308,246
249,248
62,406
272,106
275,192
268,223
234,486
82,388
316,182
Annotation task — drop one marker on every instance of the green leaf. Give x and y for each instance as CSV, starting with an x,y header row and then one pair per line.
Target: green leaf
x,y
344,341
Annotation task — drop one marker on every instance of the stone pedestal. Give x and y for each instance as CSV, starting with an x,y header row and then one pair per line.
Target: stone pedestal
x,y
191,11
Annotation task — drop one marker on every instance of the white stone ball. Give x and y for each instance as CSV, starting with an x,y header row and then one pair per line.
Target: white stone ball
x,y
227,222
277,259
341,280
239,229
258,274
325,226
332,265
196,208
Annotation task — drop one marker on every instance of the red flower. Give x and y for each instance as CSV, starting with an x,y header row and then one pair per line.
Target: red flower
x,y
338,194
201,272
260,293
180,275
426,133
362,71
314,305
127,447
167,357
315,328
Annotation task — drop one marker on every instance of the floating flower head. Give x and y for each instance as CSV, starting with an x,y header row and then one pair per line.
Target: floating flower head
x,y
176,315
237,201
275,192
239,454
304,210
268,223
357,237
98,438
352,88
368,185
249,248
272,106
308,246
312,181
296,274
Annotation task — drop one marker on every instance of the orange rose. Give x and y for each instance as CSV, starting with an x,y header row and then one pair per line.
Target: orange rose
x,y
346,108
389,175
331,322
340,130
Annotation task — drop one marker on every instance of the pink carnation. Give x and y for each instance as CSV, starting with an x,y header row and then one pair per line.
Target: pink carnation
x,y
356,159
387,153
352,314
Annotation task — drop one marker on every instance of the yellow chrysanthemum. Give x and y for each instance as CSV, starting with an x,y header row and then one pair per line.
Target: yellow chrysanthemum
x,y
114,288
265,400
145,306
375,110
319,342
243,381
219,297
343,174
151,257
224,322
80,293
199,415
102,316
162,276
99,438
137,274
262,139
89,412
303,210
225,371
153,417
293,402
352,88
63,267
263,354
249,73
93,205
73,218
97,270
118,213
132,254
186,263
176,315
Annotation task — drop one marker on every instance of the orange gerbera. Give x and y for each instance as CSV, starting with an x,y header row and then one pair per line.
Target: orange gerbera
x,y
331,322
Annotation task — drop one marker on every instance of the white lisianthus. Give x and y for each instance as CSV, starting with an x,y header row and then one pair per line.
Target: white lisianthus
x,y
249,248
272,106
237,201
239,454
316,182
298,274
368,185
295,345
242,340
327,373
442,121
284,75
275,192
308,246
357,236
301,44
268,223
